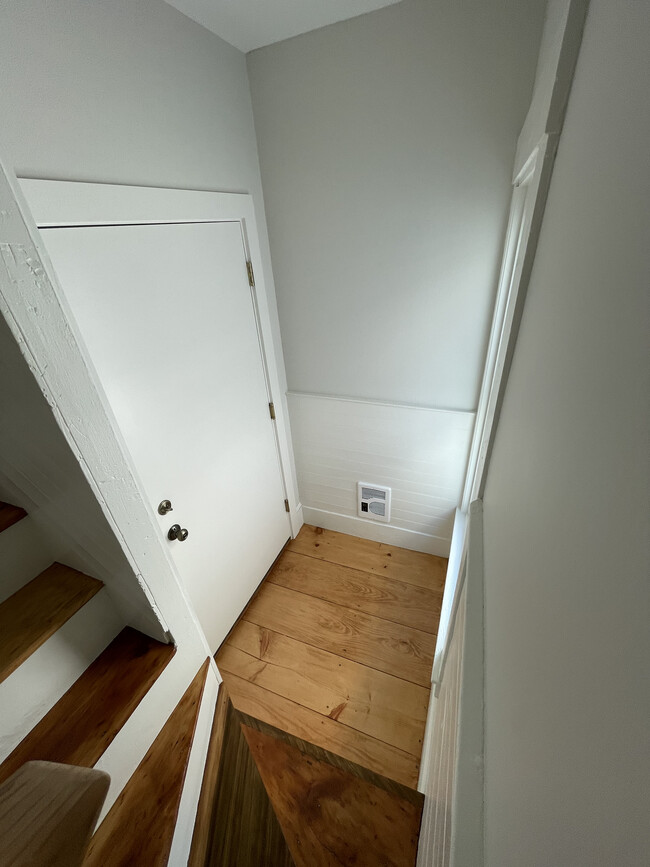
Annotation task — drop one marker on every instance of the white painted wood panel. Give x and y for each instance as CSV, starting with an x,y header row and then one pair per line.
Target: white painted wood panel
x,y
24,553
440,756
451,771
420,453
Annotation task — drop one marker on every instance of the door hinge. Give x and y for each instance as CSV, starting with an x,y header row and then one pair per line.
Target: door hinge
x,y
286,506
272,410
251,275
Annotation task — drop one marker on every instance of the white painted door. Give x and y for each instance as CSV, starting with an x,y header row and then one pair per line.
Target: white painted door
x,y
169,322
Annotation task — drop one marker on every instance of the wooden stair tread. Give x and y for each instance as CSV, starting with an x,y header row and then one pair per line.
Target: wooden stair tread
x,y
357,747
81,725
10,515
37,610
400,790
140,825
330,816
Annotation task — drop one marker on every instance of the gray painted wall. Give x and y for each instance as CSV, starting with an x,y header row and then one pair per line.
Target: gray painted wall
x,y
126,91
123,92
567,545
386,145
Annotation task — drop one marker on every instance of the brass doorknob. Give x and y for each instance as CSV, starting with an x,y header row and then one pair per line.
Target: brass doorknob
x,y
178,533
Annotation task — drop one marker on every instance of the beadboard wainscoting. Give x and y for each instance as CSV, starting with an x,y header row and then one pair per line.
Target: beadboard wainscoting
x,y
419,452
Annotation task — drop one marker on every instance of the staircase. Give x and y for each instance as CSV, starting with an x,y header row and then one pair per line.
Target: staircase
x,y
72,675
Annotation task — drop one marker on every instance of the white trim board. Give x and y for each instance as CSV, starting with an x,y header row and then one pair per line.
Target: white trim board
x,y
385,533
451,770
536,151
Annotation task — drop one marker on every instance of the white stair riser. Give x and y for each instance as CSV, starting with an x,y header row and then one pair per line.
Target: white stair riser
x,y
36,685
24,552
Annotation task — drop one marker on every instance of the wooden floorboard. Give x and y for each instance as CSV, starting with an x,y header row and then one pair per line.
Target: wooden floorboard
x,y
388,598
10,515
412,567
309,749
337,649
332,735
398,650
82,724
37,610
245,831
329,816
371,701
139,827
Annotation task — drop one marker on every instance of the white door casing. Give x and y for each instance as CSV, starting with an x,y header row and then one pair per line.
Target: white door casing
x,y
157,283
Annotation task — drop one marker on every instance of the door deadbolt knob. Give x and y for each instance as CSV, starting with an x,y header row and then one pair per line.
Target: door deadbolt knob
x,y
178,533
165,507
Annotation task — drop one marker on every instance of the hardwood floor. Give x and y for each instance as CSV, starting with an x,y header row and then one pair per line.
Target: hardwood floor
x,y
337,646
280,801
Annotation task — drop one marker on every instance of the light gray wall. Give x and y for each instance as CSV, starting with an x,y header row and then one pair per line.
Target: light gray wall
x,y
567,503
386,144
126,91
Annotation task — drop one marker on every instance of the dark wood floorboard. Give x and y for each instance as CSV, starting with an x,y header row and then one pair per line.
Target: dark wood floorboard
x,y
329,816
245,831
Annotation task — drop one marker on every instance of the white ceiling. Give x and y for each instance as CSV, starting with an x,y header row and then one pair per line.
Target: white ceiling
x,y
249,24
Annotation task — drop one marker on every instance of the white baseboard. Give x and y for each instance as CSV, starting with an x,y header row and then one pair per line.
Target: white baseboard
x,y
385,533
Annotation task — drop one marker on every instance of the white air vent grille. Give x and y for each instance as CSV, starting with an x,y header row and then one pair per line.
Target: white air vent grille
x,y
373,502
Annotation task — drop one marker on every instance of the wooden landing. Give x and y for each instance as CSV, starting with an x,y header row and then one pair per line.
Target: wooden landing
x,y
81,725
37,610
337,648
139,827
332,817
411,567
10,515
275,800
